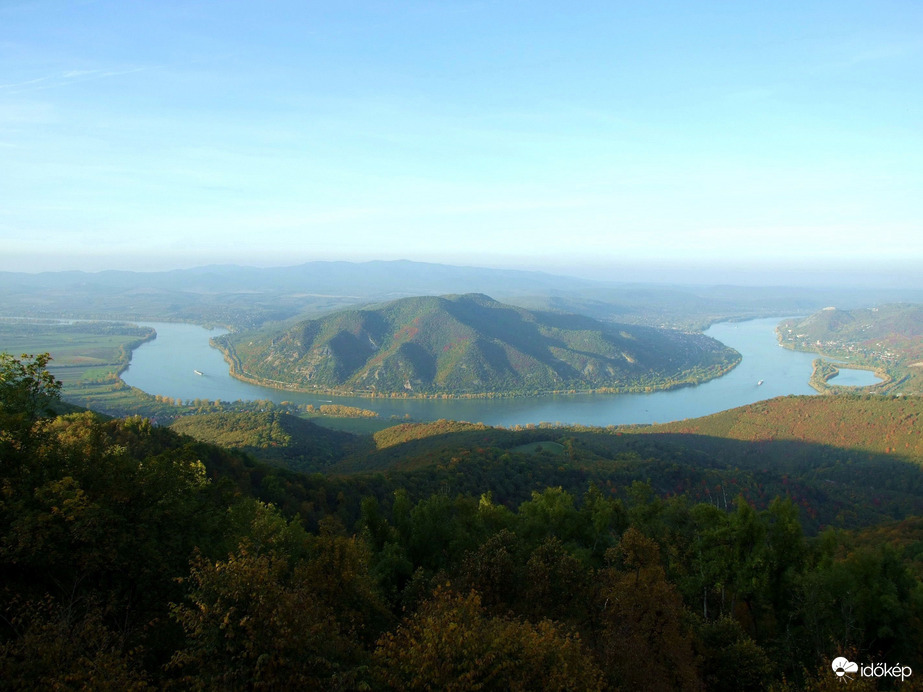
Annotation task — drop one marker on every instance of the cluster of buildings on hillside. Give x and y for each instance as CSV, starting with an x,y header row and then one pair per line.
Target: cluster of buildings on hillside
x,y
841,348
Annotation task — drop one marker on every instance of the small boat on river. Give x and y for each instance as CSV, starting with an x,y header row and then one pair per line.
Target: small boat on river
x,y
198,372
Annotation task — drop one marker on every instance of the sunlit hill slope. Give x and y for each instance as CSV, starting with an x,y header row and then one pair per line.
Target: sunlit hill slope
x,y
472,344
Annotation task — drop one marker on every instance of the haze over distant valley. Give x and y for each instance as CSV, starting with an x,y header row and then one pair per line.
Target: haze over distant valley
x,y
247,297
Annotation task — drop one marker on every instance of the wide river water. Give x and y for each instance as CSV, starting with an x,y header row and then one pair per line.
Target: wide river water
x,y
167,366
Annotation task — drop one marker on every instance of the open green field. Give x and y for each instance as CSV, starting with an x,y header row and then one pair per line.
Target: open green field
x,y
82,352
87,357
356,426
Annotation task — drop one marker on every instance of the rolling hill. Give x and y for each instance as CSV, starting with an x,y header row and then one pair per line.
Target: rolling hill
x,y
471,345
847,461
273,436
878,424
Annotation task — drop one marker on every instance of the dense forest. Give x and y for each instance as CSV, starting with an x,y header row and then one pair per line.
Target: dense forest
x,y
135,557
470,345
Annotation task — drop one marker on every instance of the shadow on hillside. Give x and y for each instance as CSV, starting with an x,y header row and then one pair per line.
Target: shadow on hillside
x,y
831,485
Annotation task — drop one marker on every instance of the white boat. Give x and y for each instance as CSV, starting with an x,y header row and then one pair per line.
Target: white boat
x,y
198,372
759,383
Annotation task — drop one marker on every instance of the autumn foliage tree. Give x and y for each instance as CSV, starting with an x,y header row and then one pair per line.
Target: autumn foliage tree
x,y
640,637
284,609
452,644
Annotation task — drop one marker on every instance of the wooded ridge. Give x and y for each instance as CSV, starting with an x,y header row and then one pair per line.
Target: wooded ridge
x,y
471,345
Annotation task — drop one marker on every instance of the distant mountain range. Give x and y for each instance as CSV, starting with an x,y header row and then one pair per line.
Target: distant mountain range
x,y
248,297
471,345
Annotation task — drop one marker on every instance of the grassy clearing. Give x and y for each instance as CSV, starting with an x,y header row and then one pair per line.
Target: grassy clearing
x,y
546,447
356,426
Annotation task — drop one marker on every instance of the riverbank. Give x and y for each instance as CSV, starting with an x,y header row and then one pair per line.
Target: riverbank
x,y
89,357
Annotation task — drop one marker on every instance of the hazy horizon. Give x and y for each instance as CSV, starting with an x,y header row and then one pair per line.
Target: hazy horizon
x,y
682,142
853,276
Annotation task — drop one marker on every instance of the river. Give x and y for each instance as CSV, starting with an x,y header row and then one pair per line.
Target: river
x,y
167,366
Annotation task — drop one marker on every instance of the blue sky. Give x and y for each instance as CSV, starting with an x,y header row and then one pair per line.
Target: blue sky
x,y
610,139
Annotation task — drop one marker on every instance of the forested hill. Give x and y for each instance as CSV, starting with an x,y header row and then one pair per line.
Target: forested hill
x,y
872,423
859,325
293,442
472,345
